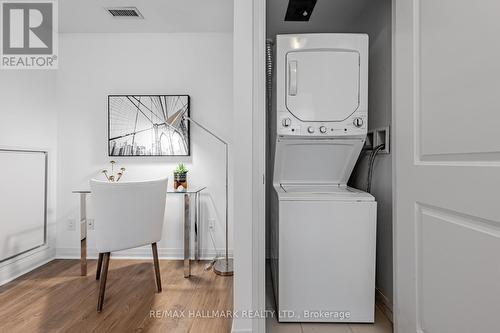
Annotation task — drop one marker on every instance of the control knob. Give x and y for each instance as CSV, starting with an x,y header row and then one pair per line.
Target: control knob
x,y
358,122
286,122
322,129
310,129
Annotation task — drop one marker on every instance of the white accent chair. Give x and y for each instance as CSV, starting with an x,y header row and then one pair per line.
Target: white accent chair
x,y
127,215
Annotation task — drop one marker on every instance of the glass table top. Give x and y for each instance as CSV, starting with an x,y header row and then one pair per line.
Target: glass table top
x,y
189,190
170,190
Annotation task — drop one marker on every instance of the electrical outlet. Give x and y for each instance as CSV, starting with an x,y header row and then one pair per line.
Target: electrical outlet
x,y
369,140
71,224
211,224
382,136
90,224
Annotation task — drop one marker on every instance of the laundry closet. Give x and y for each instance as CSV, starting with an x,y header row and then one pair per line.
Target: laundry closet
x,y
329,165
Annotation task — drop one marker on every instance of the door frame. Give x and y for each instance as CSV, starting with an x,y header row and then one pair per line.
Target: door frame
x,y
393,152
259,160
248,164
259,155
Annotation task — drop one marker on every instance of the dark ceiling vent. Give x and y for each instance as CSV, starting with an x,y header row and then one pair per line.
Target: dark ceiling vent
x,y
128,12
299,10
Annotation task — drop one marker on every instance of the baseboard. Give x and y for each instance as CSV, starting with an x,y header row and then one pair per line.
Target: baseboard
x,y
384,304
139,253
241,330
25,263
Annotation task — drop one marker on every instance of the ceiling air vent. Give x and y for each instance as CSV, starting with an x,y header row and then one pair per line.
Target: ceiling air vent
x,y
127,12
299,10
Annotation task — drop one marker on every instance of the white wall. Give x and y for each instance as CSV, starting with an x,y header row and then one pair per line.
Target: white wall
x,y
92,66
28,120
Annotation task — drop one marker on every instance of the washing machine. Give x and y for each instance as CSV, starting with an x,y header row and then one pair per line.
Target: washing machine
x,y
323,233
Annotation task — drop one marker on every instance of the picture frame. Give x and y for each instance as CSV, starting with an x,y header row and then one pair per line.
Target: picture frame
x,y
148,125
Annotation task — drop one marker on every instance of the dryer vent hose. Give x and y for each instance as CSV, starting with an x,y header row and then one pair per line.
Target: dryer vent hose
x,y
269,73
373,154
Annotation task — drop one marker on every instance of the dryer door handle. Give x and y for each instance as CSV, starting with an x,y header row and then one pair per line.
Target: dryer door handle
x,y
292,78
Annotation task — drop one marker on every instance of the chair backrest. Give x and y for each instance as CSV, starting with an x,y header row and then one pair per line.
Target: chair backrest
x,y
128,214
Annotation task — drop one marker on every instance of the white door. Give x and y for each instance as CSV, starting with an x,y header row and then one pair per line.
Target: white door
x,y
447,166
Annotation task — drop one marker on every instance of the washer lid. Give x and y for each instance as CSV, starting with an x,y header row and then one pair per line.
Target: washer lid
x,y
315,161
318,189
323,192
322,84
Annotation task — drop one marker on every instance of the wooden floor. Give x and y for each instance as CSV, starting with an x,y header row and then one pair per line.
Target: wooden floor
x,y
55,298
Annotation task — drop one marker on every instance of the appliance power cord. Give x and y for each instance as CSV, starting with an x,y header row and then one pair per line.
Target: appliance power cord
x,y
373,154
217,254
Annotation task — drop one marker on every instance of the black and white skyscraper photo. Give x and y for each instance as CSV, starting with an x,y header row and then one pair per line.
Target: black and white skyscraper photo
x,y
153,125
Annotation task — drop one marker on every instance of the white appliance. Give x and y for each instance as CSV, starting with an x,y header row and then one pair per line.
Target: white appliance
x,y
323,232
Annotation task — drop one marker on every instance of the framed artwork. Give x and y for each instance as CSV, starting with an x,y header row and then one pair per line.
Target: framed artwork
x,y
148,125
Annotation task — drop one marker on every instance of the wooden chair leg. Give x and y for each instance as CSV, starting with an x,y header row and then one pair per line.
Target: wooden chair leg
x,y
99,265
104,276
157,267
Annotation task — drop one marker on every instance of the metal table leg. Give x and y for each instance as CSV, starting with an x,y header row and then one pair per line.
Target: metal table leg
x,y
196,217
187,232
83,234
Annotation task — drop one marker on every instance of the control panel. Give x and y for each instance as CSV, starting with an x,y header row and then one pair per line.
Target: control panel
x,y
354,125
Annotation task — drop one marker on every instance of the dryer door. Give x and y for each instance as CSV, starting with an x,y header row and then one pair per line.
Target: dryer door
x,y
322,85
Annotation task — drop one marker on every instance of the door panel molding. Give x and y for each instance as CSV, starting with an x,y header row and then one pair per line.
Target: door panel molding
x,y
487,157
416,81
451,269
466,159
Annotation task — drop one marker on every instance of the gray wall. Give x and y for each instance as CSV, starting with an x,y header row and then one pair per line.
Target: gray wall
x,y
377,22
372,17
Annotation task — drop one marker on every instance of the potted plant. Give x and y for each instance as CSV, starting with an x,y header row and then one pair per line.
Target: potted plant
x,y
180,176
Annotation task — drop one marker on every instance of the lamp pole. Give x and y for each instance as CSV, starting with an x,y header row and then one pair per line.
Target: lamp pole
x,y
222,266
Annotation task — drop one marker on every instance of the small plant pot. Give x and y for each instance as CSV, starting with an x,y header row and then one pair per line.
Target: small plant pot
x,y
180,179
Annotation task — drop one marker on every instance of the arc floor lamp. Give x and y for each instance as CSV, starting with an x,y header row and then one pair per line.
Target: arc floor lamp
x,y
223,266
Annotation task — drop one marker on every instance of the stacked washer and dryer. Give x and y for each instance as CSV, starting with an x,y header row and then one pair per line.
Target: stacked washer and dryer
x,y
323,233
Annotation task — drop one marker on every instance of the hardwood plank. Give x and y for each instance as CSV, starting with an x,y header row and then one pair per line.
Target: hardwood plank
x,y
182,294
55,298
212,304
